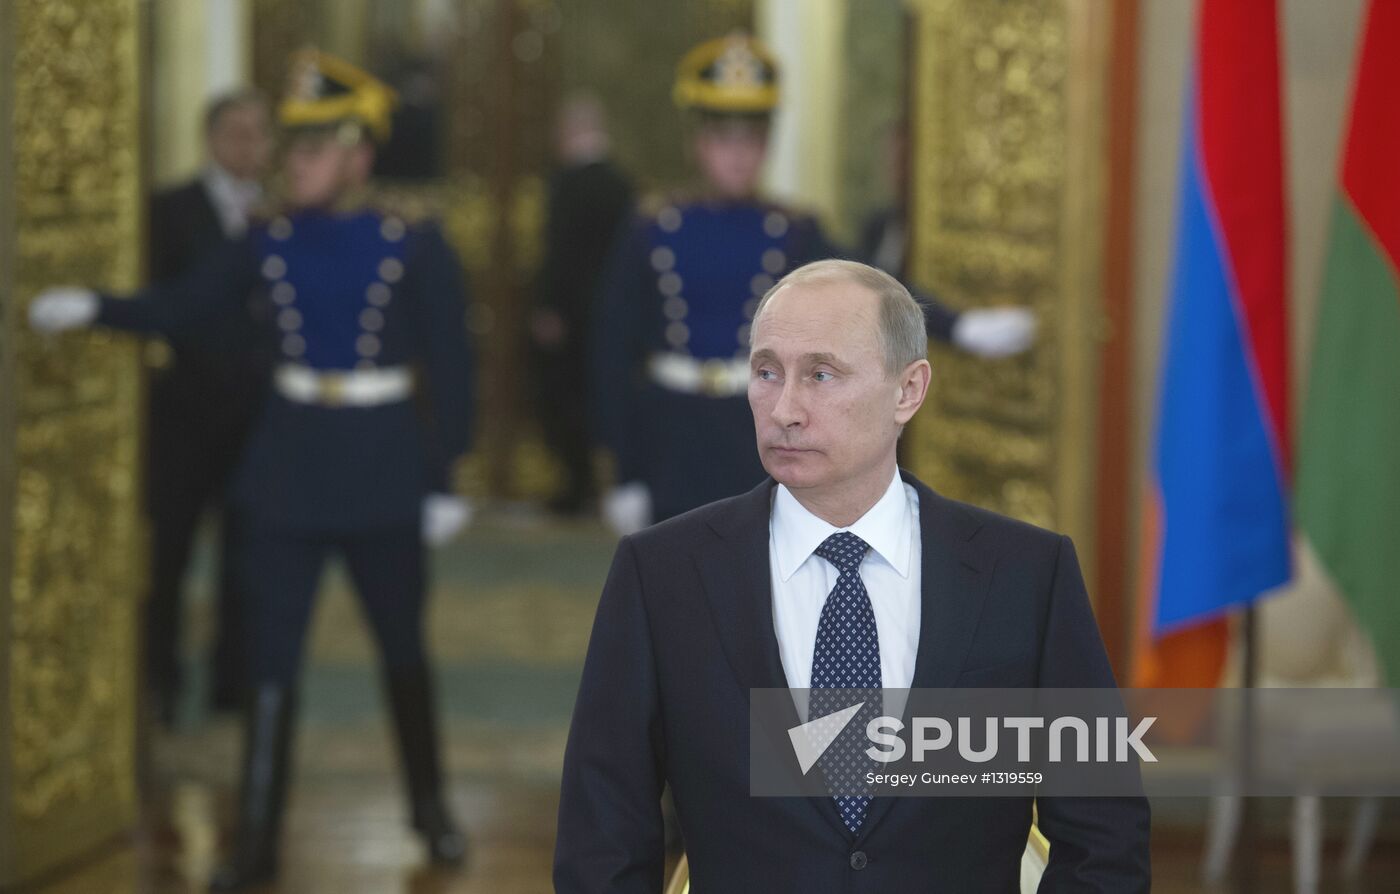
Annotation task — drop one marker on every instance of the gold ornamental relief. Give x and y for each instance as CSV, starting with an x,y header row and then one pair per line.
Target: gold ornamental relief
x,y
72,555
1001,126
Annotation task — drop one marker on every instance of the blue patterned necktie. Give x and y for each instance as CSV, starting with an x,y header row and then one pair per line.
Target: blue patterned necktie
x,y
846,658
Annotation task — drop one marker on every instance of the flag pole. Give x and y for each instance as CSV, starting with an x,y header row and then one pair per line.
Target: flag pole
x,y
1249,679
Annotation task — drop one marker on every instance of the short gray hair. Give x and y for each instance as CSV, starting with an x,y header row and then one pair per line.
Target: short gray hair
x,y
903,332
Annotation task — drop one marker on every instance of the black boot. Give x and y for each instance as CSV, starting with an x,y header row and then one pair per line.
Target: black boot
x,y
267,749
411,699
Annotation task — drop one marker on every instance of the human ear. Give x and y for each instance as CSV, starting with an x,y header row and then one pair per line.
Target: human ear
x,y
913,388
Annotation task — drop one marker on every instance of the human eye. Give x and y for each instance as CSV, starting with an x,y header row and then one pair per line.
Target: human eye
x,y
823,375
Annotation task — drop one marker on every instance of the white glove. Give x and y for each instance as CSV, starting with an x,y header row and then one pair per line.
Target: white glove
x,y
627,508
995,331
444,517
66,307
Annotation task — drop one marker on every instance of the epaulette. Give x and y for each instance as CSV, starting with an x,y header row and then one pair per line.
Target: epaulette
x,y
654,202
412,206
791,212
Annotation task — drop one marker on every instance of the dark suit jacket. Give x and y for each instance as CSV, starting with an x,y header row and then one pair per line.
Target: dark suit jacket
x,y
184,227
872,233
587,205
684,631
219,372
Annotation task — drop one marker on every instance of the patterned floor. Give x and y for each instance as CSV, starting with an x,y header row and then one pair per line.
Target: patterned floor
x,y
509,623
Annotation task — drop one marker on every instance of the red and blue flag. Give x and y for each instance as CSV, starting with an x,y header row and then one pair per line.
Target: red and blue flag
x,y
1217,532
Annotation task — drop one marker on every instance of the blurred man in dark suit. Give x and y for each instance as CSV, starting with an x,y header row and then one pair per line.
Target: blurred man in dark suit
x,y
884,234
589,198
201,405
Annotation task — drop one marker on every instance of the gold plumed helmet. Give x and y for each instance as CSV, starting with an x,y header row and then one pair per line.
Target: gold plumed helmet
x,y
734,75
325,91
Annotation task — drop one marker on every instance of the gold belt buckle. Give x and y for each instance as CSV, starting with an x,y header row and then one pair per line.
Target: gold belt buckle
x,y
332,389
714,378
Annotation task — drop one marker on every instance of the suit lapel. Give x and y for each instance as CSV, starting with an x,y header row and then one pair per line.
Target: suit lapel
x,y
211,223
955,575
953,580
734,570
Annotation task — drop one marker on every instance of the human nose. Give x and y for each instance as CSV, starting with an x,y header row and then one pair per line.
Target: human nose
x,y
787,410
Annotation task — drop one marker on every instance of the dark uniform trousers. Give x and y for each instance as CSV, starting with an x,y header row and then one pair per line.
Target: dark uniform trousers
x,y
387,566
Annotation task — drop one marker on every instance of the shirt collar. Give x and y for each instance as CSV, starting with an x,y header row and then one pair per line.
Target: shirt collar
x,y
885,526
229,187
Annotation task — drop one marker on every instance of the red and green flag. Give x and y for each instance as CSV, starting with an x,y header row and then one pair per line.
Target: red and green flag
x,y
1348,488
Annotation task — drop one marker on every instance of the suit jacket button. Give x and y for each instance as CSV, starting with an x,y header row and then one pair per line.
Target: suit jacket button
x,y
859,860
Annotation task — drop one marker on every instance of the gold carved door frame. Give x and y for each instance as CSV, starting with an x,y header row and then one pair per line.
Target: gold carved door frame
x,y
1007,109
71,557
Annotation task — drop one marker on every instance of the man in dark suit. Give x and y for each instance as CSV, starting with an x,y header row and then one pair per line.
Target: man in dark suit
x,y
202,404
838,572
589,198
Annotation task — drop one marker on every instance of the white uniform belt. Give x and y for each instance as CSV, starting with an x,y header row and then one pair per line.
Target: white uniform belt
x,y
343,388
712,378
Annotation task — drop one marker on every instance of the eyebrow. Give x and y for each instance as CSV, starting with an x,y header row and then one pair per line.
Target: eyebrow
x,y
766,354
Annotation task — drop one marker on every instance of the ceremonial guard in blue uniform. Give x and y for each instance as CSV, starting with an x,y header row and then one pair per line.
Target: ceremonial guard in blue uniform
x,y
671,338
371,403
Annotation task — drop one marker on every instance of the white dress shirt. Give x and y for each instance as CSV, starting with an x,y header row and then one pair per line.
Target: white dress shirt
x,y
891,573
233,199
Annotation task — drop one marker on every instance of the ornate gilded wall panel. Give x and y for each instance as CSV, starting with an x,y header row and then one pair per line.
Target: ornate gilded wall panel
x,y
1007,118
280,28
70,557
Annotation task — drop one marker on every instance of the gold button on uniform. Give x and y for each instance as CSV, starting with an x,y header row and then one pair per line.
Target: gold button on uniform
x,y
675,308
391,270
283,293
372,319
662,259
378,294
392,229
677,334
